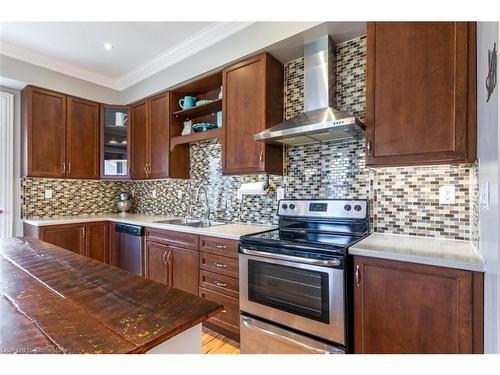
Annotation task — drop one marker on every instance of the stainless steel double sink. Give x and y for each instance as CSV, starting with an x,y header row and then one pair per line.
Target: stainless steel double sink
x,y
194,223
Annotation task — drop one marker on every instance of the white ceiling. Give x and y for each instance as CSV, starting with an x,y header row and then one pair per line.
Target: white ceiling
x,y
140,48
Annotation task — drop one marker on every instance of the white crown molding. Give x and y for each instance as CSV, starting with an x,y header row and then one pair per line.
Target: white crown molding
x,y
207,37
56,65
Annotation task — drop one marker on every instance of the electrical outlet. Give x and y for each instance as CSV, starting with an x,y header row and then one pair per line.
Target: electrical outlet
x,y
447,194
179,194
280,194
49,193
153,193
484,195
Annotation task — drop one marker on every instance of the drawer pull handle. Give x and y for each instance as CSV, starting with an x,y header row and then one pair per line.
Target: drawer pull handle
x,y
220,265
218,283
223,311
220,246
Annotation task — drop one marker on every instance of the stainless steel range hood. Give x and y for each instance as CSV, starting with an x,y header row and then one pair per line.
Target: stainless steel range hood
x,y
320,122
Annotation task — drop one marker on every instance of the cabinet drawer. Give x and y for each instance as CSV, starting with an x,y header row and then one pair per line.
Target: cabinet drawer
x,y
219,264
219,283
229,317
169,237
219,246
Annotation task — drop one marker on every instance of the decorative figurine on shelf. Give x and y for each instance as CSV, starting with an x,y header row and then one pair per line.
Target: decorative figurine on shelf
x,y
188,127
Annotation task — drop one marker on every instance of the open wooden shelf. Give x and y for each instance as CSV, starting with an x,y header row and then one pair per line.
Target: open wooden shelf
x,y
201,110
196,137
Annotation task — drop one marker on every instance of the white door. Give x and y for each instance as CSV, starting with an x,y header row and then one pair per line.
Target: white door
x,y
6,164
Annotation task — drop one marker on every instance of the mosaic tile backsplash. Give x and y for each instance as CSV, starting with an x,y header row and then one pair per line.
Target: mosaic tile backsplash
x,y
402,200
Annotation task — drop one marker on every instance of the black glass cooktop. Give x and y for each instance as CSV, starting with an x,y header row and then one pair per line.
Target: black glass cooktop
x,y
328,242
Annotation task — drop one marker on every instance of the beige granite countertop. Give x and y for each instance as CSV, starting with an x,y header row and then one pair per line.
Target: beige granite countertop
x,y
231,231
424,250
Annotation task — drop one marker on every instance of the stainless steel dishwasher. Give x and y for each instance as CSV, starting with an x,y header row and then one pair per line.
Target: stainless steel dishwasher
x,y
130,240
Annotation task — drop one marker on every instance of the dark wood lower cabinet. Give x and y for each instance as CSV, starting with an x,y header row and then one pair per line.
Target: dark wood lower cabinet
x,y
172,265
227,322
184,269
68,236
157,267
411,308
97,241
89,239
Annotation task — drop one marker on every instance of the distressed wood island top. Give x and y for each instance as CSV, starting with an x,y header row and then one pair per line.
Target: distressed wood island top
x,y
56,301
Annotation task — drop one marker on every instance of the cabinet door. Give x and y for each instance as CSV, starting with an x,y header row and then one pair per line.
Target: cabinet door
x,y
68,236
82,133
97,241
243,108
420,92
157,267
184,269
44,116
139,114
411,308
158,136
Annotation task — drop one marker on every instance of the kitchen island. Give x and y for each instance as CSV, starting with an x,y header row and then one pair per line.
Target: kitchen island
x,y
56,301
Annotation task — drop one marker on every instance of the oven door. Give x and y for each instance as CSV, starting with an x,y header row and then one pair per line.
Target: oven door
x,y
305,297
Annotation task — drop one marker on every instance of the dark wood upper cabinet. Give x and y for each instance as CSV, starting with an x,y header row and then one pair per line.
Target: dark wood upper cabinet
x,y
157,264
68,236
252,102
82,132
44,123
158,136
420,93
184,268
150,152
139,150
97,241
408,308
61,136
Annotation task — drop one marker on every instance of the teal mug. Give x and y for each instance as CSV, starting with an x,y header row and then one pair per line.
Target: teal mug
x,y
187,102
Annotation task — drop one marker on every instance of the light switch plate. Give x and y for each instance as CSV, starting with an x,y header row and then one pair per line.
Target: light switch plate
x,y
280,194
484,195
447,194
49,193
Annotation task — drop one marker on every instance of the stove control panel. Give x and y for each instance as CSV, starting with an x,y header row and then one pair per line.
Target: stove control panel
x,y
328,208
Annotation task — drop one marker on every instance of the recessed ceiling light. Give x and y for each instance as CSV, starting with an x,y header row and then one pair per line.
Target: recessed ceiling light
x,y
108,46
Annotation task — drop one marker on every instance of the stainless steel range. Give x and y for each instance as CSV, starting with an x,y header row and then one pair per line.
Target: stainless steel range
x,y
294,295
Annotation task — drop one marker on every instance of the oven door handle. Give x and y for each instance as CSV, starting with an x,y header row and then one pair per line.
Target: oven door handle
x,y
291,258
267,330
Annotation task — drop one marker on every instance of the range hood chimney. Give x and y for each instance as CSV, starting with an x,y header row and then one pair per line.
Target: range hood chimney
x,y
320,121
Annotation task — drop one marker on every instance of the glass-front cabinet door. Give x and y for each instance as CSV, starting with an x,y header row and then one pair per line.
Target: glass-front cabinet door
x,y
115,139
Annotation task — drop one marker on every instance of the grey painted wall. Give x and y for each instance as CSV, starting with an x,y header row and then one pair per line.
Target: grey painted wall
x,y
250,40
489,170
36,75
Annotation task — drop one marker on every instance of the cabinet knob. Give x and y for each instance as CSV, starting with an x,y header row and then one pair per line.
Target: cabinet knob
x,y
220,246
220,265
63,167
261,156
218,283
69,167
82,230
369,147
164,256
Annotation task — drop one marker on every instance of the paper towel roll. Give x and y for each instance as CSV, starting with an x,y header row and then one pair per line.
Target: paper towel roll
x,y
253,188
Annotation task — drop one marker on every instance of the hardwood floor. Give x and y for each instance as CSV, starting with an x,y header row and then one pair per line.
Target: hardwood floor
x,y
214,343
